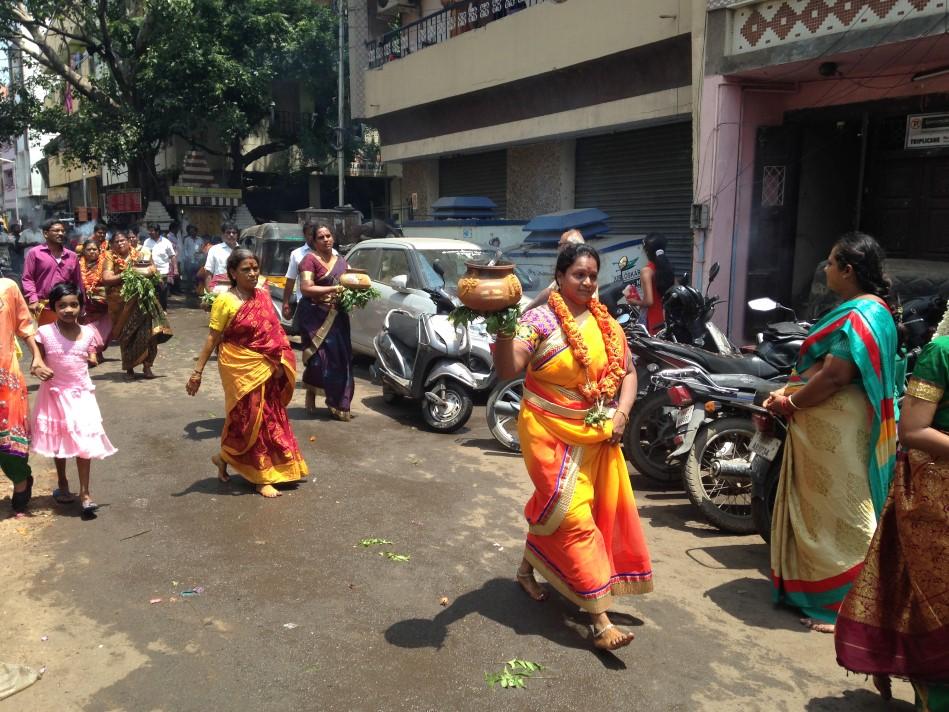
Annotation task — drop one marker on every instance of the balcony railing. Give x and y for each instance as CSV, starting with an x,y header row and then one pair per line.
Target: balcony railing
x,y
441,26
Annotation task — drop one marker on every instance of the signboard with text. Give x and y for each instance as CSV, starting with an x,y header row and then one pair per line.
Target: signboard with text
x,y
129,201
927,130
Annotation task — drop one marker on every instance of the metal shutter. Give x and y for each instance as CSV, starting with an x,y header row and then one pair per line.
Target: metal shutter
x,y
642,179
481,174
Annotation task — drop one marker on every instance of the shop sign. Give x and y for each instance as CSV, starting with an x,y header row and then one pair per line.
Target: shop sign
x,y
205,197
927,130
129,201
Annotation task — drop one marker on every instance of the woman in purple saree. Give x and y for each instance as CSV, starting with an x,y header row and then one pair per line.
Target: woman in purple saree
x,y
327,349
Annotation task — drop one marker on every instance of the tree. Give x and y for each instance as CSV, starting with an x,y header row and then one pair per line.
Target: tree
x,y
203,70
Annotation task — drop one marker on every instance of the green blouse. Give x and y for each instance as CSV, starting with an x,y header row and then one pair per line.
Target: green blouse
x,y
930,380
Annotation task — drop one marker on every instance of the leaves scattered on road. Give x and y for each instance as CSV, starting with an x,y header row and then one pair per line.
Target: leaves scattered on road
x,y
392,556
372,541
514,675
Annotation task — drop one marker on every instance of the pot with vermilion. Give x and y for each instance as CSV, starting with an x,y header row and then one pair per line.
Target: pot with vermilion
x,y
489,287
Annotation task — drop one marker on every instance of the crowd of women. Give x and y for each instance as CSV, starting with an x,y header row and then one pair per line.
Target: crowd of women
x,y
860,535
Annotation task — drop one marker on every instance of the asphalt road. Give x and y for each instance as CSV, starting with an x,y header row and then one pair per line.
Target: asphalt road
x,y
294,616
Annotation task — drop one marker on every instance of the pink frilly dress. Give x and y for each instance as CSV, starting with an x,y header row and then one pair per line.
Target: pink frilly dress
x,y
66,419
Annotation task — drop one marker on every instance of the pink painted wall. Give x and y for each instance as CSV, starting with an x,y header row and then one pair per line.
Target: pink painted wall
x,y
731,112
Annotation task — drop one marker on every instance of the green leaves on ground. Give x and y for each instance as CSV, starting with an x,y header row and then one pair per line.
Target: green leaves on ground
x,y
350,299
390,555
514,674
504,321
372,541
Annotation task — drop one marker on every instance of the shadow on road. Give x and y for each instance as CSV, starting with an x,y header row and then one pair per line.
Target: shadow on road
x,y
488,446
502,601
204,429
741,598
850,700
683,517
732,557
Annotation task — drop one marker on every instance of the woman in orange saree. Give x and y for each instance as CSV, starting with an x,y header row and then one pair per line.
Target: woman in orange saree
x,y
584,534
258,372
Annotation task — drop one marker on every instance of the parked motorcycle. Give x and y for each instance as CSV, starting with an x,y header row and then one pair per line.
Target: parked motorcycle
x,y
713,433
649,440
427,359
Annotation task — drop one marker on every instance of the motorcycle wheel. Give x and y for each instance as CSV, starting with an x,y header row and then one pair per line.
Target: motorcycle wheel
x,y
504,426
725,503
762,510
453,413
648,439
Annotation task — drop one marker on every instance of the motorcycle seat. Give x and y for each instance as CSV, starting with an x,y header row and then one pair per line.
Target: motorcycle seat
x,y
403,328
749,365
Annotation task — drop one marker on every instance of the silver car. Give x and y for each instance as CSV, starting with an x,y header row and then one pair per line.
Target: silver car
x,y
401,268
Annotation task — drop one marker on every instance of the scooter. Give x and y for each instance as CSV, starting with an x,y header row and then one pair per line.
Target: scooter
x,y
427,359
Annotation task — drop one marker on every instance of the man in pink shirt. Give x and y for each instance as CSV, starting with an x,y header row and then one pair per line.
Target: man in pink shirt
x,y
46,266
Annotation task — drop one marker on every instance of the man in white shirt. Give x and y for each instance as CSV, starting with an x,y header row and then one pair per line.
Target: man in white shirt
x,y
291,290
215,265
165,259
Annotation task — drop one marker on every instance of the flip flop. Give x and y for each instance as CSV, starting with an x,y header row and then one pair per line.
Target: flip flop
x,y
89,507
62,497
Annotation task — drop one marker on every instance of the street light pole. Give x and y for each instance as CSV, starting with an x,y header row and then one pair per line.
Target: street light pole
x,y
340,94
16,190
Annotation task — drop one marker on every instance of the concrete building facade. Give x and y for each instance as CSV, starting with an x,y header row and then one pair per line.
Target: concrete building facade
x,y
539,105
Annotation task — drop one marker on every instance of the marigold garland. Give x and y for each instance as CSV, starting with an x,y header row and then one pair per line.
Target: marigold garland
x,y
91,276
614,342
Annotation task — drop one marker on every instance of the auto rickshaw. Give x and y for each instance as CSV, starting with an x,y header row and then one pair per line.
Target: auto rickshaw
x,y
272,243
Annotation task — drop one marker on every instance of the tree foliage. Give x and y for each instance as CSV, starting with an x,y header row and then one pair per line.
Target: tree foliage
x,y
200,69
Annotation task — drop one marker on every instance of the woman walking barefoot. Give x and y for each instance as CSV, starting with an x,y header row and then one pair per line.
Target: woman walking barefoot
x,y
327,349
66,418
584,531
258,373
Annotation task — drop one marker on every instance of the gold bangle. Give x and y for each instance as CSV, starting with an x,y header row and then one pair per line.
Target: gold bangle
x,y
793,404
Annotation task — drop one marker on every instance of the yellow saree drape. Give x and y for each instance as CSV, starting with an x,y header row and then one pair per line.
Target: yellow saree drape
x,y
584,536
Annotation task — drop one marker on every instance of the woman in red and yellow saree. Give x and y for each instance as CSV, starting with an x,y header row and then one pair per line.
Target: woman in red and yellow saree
x,y
841,443
895,620
258,373
584,534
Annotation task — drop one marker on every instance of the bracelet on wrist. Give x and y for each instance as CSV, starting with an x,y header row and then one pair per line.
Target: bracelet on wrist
x,y
793,404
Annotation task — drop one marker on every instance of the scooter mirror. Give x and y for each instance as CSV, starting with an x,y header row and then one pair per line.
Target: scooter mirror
x,y
763,304
400,283
623,319
713,273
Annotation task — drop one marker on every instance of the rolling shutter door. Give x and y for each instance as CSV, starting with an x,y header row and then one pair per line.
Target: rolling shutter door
x,y
643,180
481,174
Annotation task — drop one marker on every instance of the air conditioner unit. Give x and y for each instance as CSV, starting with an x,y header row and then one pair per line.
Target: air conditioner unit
x,y
394,7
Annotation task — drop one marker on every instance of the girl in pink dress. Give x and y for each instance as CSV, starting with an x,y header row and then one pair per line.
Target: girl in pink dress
x,y
66,418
